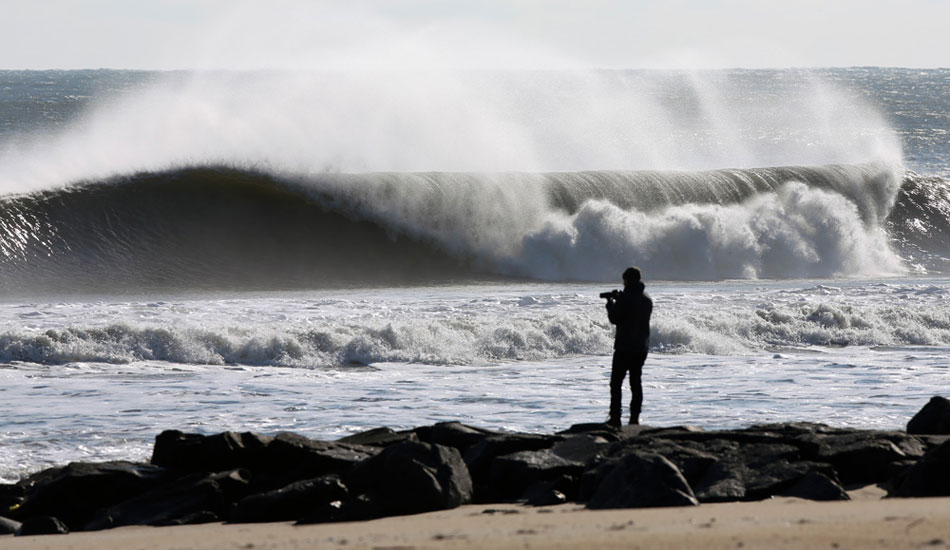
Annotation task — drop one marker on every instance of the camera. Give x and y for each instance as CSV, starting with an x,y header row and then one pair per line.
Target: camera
x,y
612,295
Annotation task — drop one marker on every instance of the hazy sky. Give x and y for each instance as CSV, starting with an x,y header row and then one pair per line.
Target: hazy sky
x,y
183,34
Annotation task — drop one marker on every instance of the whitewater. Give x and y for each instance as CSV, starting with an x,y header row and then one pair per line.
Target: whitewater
x,y
322,254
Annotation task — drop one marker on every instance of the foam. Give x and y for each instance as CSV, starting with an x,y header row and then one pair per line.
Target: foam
x,y
426,327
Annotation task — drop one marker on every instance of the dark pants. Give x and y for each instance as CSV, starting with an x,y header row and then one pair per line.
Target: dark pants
x,y
632,362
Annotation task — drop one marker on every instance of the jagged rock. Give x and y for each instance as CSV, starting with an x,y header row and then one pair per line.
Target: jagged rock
x,y
42,525
275,461
479,457
378,437
72,493
749,471
641,480
291,502
453,434
734,481
929,477
194,498
290,457
817,486
581,448
8,526
412,477
512,474
933,418
867,456
718,470
188,452
693,459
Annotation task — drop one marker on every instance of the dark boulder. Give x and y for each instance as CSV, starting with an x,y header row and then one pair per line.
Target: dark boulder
x,y
274,461
928,477
864,457
42,525
413,477
816,485
378,437
194,498
453,434
640,480
187,452
291,502
692,458
291,457
72,493
8,526
933,418
721,469
479,457
750,471
734,481
581,448
512,474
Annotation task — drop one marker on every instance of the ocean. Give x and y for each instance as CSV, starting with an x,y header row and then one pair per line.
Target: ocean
x,y
331,252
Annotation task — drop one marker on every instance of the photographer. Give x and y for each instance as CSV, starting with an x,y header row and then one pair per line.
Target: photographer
x,y
630,310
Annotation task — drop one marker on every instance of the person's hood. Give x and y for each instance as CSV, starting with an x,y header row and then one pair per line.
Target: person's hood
x,y
635,287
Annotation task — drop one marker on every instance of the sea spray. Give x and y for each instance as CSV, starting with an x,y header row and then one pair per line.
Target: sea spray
x,y
488,121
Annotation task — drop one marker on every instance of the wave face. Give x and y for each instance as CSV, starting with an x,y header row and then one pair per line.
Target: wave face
x,y
225,228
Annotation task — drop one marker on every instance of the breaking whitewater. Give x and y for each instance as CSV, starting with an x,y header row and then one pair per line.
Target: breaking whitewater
x,y
288,252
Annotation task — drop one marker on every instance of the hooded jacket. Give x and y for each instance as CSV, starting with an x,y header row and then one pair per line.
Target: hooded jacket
x,y
631,313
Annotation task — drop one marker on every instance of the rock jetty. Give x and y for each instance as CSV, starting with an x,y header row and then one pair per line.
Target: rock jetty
x,y
249,477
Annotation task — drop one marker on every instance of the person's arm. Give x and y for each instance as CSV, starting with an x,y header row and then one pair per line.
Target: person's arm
x,y
616,312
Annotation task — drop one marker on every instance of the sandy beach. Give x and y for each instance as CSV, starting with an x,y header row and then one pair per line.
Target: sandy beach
x,y
865,522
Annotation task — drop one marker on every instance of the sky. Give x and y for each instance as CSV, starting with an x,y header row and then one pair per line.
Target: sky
x,y
398,34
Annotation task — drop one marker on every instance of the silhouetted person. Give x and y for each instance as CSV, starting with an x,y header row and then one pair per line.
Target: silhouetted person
x,y
630,310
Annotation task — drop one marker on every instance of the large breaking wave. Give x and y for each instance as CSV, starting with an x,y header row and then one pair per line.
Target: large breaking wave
x,y
219,227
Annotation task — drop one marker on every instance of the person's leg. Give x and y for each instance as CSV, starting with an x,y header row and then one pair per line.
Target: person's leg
x,y
636,385
618,370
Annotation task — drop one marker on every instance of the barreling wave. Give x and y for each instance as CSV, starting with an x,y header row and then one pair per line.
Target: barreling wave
x,y
221,227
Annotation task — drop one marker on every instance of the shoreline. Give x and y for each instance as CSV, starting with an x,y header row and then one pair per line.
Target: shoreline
x,y
777,485
867,521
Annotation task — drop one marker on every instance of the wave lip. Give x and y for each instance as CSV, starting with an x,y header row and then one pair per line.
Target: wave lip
x,y
229,228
